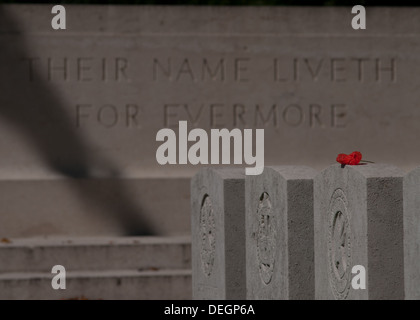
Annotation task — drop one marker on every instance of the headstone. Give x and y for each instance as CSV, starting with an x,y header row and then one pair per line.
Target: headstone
x,y
359,222
88,101
280,234
218,234
412,235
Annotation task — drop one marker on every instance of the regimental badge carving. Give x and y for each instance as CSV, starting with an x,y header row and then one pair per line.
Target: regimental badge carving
x,y
266,236
208,236
339,245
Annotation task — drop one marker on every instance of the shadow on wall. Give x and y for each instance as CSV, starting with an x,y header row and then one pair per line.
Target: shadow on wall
x,y
37,111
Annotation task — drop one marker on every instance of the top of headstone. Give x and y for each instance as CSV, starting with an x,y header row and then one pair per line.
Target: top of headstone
x,y
294,172
374,170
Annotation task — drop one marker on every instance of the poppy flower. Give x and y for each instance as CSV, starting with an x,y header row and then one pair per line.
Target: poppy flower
x,y
352,159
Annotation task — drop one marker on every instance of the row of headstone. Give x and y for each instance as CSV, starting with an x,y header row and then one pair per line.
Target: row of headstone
x,y
294,233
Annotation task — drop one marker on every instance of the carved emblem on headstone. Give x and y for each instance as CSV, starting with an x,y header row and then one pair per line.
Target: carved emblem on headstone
x,y
266,236
339,245
208,237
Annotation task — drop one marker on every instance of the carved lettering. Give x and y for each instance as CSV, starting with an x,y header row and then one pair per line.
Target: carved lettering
x,y
391,69
275,115
216,112
61,69
132,112
108,115
270,114
240,69
238,114
360,67
193,120
121,65
293,115
193,70
314,73
280,67
185,69
81,114
189,70
169,113
82,67
338,112
31,67
79,69
219,69
335,69
165,69
314,115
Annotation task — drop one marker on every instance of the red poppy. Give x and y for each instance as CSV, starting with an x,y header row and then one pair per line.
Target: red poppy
x,y
350,159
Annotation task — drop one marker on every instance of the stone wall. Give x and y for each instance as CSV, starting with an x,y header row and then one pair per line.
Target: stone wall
x,y
80,108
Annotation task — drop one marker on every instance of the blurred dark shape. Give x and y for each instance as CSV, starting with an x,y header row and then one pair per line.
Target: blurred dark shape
x,y
38,112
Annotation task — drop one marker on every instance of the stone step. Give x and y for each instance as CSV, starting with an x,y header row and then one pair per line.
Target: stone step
x,y
106,285
95,254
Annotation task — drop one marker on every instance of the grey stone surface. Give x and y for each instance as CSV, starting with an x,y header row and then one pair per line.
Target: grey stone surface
x,y
87,102
94,207
280,234
99,285
359,221
96,268
218,234
95,254
412,235
99,91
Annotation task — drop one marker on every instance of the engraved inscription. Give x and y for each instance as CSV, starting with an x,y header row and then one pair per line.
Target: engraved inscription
x,y
335,69
266,237
62,69
283,113
391,69
205,69
220,115
339,245
79,69
108,115
286,69
208,236
215,69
